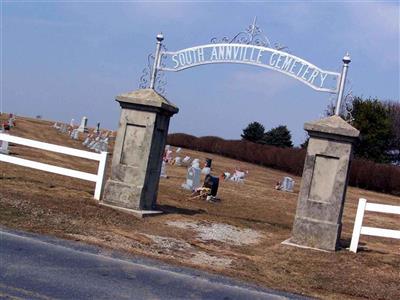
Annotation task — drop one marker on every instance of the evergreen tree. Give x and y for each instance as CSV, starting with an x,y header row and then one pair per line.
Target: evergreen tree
x,y
279,136
394,116
304,145
372,118
254,132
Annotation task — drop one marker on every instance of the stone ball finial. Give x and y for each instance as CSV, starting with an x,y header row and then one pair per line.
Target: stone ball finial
x,y
346,58
160,37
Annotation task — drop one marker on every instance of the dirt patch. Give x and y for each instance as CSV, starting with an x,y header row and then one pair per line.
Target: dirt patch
x,y
220,232
203,258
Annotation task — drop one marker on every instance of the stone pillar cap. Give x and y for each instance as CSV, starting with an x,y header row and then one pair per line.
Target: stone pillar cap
x,y
147,97
332,125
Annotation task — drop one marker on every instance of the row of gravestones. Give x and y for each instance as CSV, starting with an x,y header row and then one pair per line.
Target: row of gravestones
x,y
96,140
193,175
194,172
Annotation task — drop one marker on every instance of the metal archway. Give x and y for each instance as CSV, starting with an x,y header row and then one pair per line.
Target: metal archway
x,y
247,47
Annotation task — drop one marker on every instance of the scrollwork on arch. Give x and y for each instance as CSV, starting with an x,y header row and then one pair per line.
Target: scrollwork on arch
x,y
252,35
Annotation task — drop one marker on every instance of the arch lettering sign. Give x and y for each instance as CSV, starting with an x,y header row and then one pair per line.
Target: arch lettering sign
x,y
316,78
247,47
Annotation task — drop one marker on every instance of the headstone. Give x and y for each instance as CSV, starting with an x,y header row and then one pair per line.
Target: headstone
x,y
167,155
97,147
97,130
186,160
104,145
11,120
93,142
238,176
163,173
212,182
206,170
318,220
208,162
86,141
227,175
64,128
55,125
3,145
83,126
287,184
178,161
192,179
178,150
75,135
138,151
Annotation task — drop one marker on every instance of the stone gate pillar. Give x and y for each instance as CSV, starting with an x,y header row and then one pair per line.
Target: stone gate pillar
x,y
138,150
318,221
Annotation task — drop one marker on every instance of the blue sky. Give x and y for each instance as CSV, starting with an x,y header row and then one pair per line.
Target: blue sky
x,y
68,59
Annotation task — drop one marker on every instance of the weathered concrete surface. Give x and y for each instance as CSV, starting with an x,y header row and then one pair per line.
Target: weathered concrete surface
x,y
321,199
138,150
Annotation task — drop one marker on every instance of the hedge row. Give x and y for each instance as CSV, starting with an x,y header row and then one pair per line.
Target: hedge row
x,y
364,174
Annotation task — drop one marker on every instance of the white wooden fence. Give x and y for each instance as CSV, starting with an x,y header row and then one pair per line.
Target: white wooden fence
x,y
100,157
359,229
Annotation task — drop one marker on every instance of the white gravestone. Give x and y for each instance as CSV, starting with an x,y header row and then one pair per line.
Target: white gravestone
x,y
11,122
3,146
186,160
178,150
63,128
287,184
178,161
227,175
168,155
83,126
163,173
75,134
93,143
206,170
192,179
86,141
104,145
238,176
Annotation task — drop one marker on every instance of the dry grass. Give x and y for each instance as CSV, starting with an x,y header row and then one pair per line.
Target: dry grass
x,y
56,205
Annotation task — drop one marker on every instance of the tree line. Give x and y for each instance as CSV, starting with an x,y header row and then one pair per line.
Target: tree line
x,y
378,123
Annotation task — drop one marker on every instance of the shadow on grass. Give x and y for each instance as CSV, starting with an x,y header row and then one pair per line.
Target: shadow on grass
x,y
168,209
362,247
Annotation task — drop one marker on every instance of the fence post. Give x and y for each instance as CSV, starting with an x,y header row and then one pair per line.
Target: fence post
x,y
100,175
358,224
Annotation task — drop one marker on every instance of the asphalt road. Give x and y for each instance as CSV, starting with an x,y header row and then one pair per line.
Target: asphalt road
x,y
39,267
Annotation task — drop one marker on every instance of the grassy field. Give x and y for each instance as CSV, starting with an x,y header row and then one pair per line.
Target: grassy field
x,y
240,236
